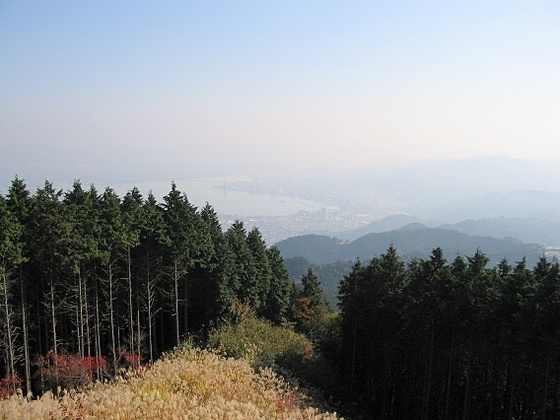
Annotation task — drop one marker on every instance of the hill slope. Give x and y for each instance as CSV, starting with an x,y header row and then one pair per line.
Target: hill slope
x,y
411,241
531,230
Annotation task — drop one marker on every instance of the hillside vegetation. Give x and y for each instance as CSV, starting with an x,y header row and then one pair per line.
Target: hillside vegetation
x,y
187,383
412,241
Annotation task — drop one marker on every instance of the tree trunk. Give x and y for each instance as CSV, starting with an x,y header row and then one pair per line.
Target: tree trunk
x,y
176,296
53,319
97,333
467,400
130,308
546,386
149,302
449,376
80,316
185,307
8,326
86,318
27,359
428,380
353,365
112,319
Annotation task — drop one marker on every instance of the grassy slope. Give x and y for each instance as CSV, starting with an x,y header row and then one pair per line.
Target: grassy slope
x,y
188,383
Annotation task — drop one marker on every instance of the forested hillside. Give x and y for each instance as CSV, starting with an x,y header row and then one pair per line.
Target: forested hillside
x,y
452,340
91,283
413,241
114,281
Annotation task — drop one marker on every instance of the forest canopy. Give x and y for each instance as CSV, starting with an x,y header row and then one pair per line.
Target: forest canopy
x,y
118,280
452,340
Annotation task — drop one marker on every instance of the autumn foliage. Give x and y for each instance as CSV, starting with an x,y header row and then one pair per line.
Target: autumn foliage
x,y
69,370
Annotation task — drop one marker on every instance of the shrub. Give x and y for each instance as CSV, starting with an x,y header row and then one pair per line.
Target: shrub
x,y
261,342
69,370
9,385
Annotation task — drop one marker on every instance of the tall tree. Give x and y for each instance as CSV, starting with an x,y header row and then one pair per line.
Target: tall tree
x,y
243,275
11,256
132,209
281,291
18,202
82,252
183,229
210,296
112,245
259,282
310,307
51,231
152,240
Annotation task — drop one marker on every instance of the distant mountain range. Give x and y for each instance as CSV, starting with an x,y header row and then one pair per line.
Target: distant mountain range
x,y
529,230
411,241
508,208
332,258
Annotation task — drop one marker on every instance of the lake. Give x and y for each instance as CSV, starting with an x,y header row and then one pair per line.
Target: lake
x,y
225,201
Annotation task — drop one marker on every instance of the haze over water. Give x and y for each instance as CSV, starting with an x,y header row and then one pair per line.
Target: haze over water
x,y
227,201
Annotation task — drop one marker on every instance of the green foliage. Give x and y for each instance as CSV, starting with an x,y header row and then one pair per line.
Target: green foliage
x,y
451,340
261,342
310,309
89,273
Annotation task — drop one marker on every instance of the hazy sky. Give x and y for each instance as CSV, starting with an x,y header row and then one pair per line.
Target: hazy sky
x,y
103,90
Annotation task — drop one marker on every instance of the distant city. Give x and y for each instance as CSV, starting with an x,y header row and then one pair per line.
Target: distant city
x,y
325,221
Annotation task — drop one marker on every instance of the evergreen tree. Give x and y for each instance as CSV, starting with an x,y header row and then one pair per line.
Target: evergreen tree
x,y
11,256
132,211
18,202
210,295
241,266
281,291
261,278
152,243
112,245
51,231
186,243
82,251
310,308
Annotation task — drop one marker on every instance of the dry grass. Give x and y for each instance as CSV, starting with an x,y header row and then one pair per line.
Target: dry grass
x,y
186,384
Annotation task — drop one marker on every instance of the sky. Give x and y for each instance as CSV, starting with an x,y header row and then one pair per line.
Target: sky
x,y
123,91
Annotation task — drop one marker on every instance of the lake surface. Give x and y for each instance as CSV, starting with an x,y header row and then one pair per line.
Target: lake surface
x,y
225,201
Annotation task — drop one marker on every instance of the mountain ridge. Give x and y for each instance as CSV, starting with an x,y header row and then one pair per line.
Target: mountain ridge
x,y
411,241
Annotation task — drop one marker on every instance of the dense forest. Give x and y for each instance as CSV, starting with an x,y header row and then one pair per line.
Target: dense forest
x,y
459,340
114,281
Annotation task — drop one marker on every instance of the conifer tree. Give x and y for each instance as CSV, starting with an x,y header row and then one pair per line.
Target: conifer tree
x,y
18,202
185,244
11,256
310,307
132,209
260,280
282,289
112,245
51,230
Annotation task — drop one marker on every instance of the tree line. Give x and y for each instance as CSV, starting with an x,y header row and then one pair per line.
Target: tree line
x,y
452,340
100,277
